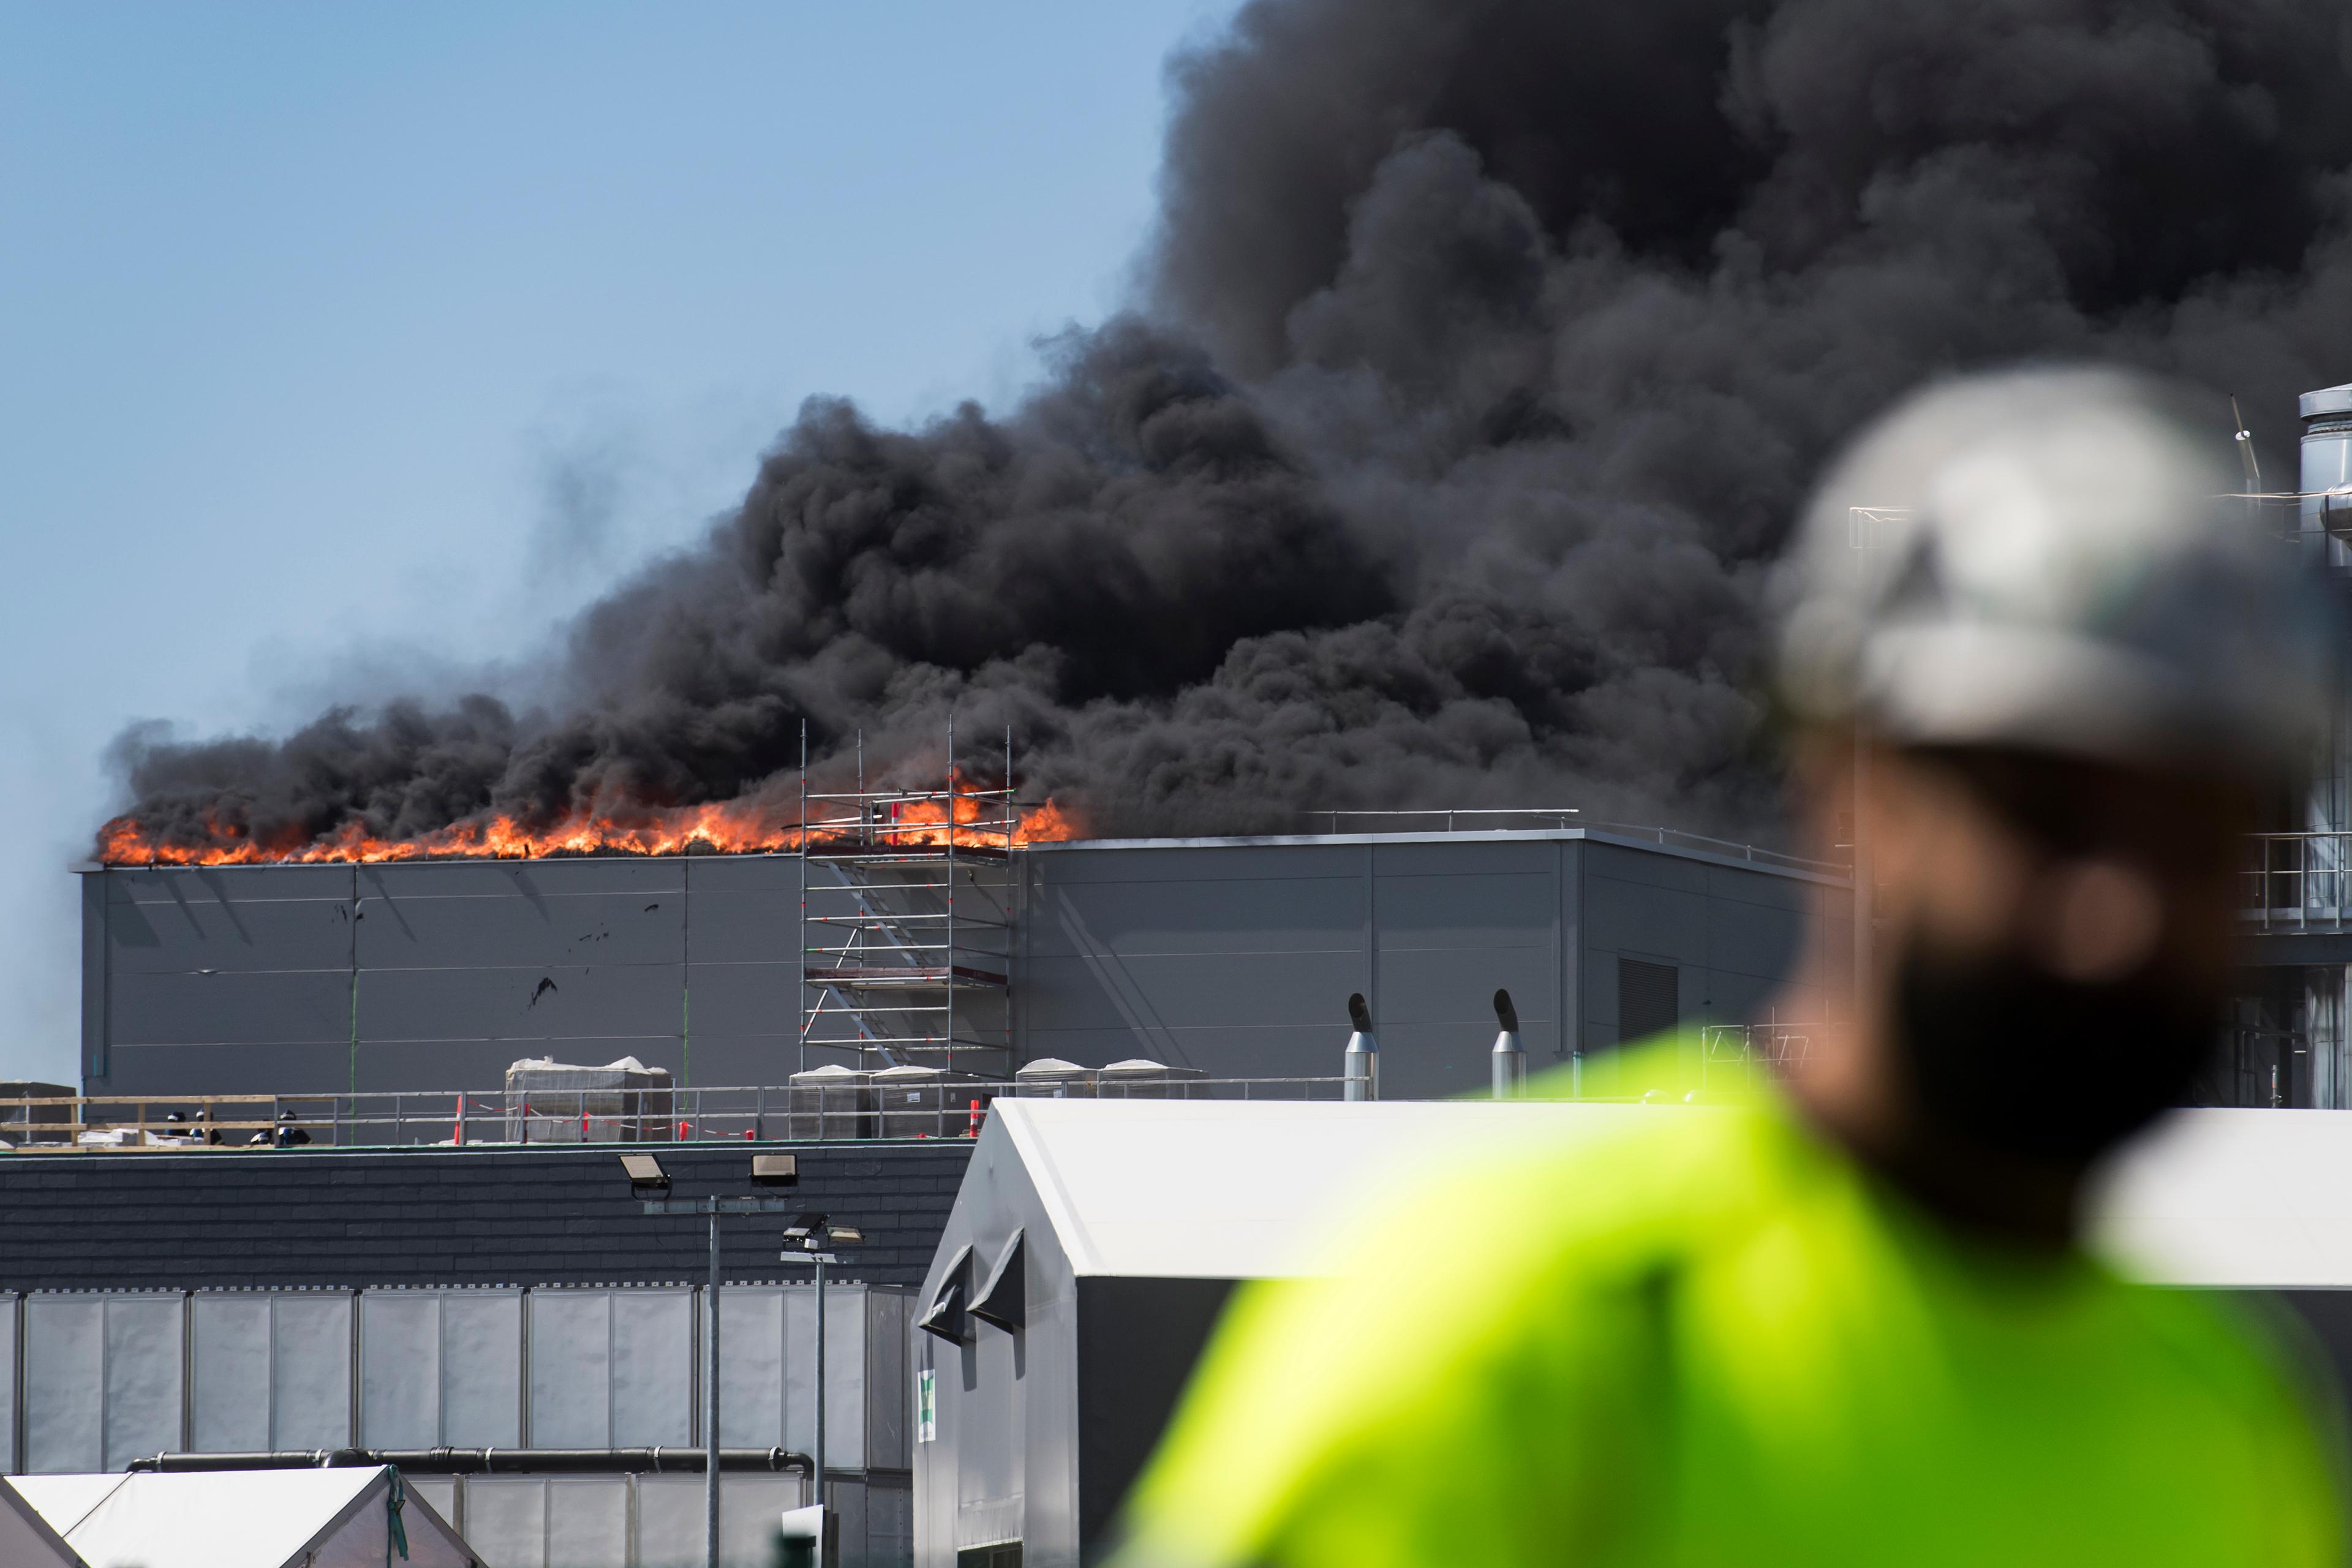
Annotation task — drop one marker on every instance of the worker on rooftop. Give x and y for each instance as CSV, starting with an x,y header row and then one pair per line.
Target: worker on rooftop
x,y
2052,679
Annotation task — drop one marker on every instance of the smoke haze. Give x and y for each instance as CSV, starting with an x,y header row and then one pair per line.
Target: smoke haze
x,y
1481,360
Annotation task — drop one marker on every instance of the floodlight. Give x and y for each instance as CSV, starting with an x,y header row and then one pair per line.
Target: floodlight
x,y
646,1178
775,1169
806,1233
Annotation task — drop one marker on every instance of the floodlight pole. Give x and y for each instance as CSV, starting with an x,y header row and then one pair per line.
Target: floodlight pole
x,y
714,1207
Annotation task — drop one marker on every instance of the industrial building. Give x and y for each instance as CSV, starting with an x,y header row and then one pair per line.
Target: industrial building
x,y
1230,959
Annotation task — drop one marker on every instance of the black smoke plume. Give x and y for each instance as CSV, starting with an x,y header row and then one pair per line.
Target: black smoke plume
x,y
1486,350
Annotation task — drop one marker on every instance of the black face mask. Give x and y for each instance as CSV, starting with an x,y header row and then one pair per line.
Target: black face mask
x,y
2001,1054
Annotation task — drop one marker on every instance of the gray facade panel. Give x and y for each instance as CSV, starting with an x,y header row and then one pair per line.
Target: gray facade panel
x,y
754,925
280,1006
1206,914
243,934
299,1066
653,877
744,999
524,1005
230,884
568,928
1183,991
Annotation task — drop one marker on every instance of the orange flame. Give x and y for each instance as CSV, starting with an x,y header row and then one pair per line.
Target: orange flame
x,y
728,827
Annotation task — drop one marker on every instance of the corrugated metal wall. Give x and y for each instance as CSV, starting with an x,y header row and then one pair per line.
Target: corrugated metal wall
x,y
109,1377
1234,956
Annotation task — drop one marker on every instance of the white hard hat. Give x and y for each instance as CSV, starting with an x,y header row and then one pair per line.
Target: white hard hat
x,y
2049,560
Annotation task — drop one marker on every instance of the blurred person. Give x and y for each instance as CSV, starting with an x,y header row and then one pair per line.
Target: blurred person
x,y
1850,1321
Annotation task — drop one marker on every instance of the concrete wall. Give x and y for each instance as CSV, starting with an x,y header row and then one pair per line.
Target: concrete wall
x,y
1233,956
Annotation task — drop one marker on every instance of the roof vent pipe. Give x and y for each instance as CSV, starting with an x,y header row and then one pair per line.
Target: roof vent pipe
x,y
1509,1058
1362,1073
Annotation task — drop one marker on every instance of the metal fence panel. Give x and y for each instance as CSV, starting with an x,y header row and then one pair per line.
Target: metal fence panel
x,y
481,1369
588,1523
144,1365
653,1367
10,1310
506,1521
310,1371
65,1370
571,1369
751,1366
400,1369
228,1383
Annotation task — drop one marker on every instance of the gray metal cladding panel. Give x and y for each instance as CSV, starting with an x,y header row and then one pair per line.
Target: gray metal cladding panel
x,y
1463,858
1265,862
397,1066
1203,915
228,1390
275,1007
1179,991
259,935
143,1372
65,1368
1479,911
572,1369
476,933
747,1060
651,878
726,874
752,1359
228,884
310,1371
481,1368
1457,989
1753,938
10,1306
94,1065
1642,918
313,1066
652,1362
1791,893
521,1003
744,998
400,1369
745,926
1305,1050
1643,866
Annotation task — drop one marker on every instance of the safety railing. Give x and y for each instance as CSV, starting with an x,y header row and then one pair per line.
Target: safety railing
x,y
2296,882
945,1107
1492,819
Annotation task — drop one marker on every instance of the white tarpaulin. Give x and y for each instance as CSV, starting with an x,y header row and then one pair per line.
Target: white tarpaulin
x,y
28,1541
240,1519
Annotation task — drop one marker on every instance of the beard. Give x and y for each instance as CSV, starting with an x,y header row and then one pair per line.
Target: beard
x,y
2001,1054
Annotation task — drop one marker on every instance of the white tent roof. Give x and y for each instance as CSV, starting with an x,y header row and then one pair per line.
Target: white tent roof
x,y
1237,1189
238,1518
2238,1198
1246,1189
28,1541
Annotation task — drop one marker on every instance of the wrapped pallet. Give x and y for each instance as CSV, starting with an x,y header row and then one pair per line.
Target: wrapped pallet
x,y
550,1101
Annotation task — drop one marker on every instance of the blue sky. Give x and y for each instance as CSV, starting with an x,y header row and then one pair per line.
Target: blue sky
x,y
343,352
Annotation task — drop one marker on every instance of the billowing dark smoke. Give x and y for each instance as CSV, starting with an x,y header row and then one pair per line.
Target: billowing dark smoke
x,y
1488,349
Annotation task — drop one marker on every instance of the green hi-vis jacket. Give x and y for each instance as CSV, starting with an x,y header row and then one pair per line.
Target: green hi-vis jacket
x,y
1708,1338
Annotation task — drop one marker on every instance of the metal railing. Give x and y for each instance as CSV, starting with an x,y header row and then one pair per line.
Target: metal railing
x,y
953,1107
2295,882
1457,819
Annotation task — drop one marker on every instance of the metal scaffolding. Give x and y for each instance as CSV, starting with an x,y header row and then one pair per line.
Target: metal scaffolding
x,y
906,911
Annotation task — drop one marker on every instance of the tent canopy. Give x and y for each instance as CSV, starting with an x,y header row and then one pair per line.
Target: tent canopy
x,y
1240,1190
240,1519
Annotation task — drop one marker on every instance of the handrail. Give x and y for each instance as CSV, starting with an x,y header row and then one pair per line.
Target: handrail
x,y
857,1108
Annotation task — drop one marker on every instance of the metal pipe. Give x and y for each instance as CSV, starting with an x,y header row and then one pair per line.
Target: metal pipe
x,y
711,1410
485,1461
816,1446
1362,1064
1509,1058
